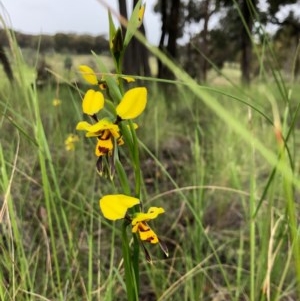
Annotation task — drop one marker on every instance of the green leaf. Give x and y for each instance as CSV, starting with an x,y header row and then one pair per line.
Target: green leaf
x,y
133,24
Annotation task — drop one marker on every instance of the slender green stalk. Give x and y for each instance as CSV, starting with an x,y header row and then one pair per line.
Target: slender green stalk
x,y
252,243
130,280
293,225
131,262
252,220
90,260
239,266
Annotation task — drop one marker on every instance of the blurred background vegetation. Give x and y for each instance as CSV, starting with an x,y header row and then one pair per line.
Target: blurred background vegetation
x,y
198,35
54,245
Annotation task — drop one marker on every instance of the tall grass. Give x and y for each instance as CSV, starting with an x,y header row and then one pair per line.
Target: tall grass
x,y
222,161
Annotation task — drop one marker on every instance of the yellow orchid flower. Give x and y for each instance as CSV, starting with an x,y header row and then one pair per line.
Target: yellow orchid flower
x,y
140,226
105,131
88,74
56,102
115,206
133,103
92,102
70,142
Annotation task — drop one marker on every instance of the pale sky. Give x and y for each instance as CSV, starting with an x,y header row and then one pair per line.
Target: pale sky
x,y
70,16
80,16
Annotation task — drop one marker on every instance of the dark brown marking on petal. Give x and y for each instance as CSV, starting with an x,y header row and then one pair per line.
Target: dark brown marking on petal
x,y
103,150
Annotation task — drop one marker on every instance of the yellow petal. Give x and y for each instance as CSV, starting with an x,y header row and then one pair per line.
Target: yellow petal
x,y
93,102
101,125
88,74
83,126
114,207
152,213
128,79
133,103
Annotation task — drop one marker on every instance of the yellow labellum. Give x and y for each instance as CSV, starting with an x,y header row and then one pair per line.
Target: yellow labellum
x,y
103,147
115,206
145,232
133,103
88,74
93,102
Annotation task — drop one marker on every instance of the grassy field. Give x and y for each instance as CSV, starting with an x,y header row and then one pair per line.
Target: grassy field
x,y
221,159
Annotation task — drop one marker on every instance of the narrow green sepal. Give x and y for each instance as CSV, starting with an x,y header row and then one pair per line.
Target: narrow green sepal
x,y
117,45
112,29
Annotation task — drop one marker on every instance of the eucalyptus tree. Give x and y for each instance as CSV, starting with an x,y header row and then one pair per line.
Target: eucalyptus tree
x,y
239,22
172,19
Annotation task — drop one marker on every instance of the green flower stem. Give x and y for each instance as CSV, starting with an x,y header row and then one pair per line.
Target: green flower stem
x,y
136,162
122,177
137,172
292,221
130,279
135,262
131,261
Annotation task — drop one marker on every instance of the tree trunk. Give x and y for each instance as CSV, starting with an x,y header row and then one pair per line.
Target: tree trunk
x,y
6,65
170,25
143,54
173,28
205,42
164,19
140,53
127,59
136,58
